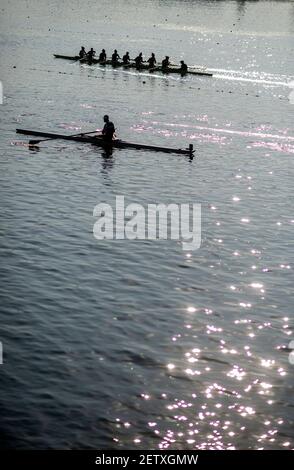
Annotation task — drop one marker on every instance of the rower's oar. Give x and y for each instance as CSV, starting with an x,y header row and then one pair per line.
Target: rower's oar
x,y
155,69
36,142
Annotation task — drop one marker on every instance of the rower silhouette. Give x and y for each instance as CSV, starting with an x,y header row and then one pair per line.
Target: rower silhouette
x,y
102,56
108,130
126,58
91,54
115,57
139,60
152,61
82,53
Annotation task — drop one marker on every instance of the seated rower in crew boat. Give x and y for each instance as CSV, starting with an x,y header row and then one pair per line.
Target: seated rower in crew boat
x,y
126,58
152,61
115,57
82,53
139,60
102,56
91,54
165,63
184,67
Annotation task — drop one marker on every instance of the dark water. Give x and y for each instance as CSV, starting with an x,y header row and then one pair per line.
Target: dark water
x,y
139,344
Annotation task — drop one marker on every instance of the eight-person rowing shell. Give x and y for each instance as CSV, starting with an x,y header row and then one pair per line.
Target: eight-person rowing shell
x,y
165,64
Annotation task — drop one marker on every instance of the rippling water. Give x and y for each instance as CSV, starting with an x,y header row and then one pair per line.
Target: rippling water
x,y
139,344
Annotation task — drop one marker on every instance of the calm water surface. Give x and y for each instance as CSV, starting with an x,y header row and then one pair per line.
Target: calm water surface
x,y
139,344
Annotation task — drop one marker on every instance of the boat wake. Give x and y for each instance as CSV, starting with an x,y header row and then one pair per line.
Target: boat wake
x,y
261,135
252,77
272,80
282,143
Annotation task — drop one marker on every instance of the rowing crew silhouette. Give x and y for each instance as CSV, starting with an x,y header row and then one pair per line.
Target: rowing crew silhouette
x,y
126,60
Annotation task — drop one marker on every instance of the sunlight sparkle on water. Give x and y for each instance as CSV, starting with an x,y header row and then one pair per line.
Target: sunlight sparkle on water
x,y
191,309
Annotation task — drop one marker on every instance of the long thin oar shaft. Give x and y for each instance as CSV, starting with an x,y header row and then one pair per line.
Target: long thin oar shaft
x,y
36,142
